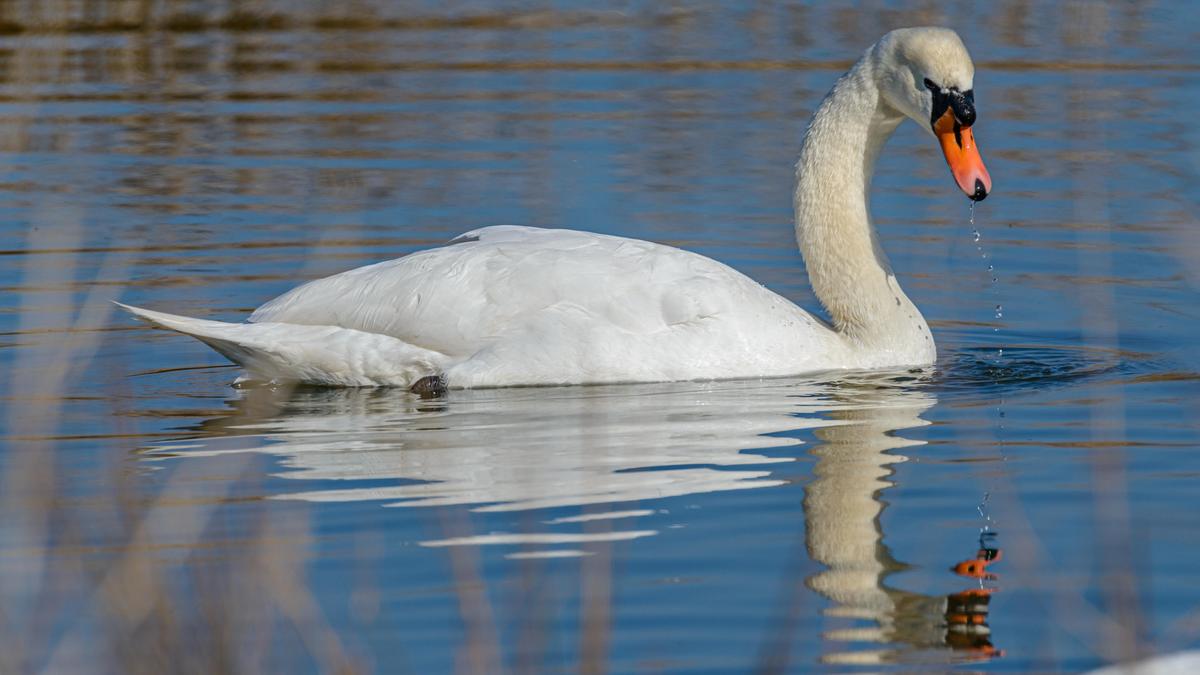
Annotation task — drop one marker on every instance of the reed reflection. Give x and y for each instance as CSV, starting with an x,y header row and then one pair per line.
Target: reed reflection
x,y
844,532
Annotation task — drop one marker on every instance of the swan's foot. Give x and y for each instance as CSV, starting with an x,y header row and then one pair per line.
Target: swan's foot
x,y
430,386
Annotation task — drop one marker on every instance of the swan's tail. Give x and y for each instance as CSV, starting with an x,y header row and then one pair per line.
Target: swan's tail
x,y
288,352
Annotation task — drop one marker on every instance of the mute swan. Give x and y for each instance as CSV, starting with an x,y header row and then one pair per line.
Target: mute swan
x,y
506,305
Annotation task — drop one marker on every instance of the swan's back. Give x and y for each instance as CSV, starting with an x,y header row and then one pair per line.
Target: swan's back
x,y
506,305
505,283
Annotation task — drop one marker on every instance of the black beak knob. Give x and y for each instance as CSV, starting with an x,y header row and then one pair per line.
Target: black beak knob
x,y
980,193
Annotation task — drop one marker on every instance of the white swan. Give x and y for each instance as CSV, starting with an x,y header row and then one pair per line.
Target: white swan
x,y
509,305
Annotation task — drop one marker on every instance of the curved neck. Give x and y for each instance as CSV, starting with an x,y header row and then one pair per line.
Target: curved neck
x,y
847,269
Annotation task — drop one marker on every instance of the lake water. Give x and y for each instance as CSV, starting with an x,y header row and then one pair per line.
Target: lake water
x,y
1030,510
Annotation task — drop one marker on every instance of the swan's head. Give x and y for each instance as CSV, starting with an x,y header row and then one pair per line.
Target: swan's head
x,y
927,74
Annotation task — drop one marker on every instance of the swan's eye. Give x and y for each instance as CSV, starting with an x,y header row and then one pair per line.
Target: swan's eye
x,y
931,86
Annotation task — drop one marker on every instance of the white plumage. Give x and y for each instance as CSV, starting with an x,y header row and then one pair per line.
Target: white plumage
x,y
520,305
510,305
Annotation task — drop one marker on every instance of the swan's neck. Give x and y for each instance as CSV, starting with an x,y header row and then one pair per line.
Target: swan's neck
x,y
848,270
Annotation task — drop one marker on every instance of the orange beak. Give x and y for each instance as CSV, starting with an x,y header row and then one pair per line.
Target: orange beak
x,y
958,144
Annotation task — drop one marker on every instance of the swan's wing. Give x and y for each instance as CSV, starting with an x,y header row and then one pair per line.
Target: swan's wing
x,y
492,282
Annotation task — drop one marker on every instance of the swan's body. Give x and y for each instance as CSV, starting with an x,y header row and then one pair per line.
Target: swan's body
x,y
507,306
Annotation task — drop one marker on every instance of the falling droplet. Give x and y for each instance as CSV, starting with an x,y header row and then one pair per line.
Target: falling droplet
x,y
983,512
977,237
986,530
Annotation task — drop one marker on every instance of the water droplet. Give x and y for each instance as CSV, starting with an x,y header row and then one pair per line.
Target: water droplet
x,y
982,508
977,237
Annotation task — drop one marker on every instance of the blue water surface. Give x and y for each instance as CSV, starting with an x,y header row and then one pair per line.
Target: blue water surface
x,y
202,161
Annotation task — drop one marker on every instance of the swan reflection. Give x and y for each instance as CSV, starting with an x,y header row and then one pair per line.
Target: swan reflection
x,y
842,507
521,449
525,449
